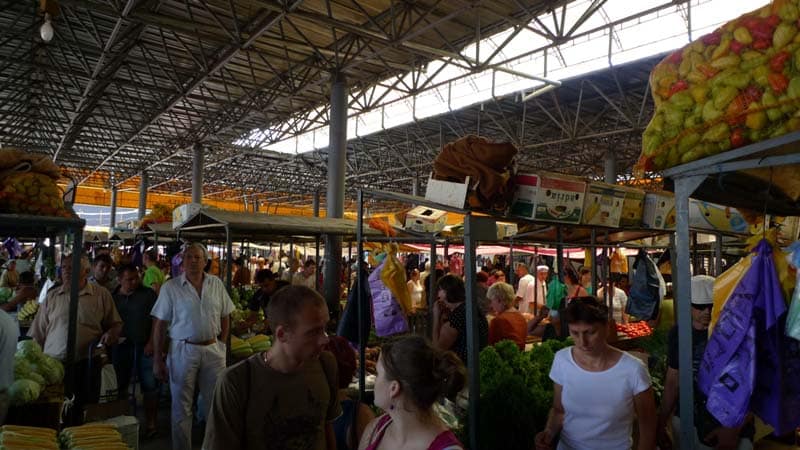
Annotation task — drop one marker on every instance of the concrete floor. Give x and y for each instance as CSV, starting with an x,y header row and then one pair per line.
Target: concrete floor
x,y
163,440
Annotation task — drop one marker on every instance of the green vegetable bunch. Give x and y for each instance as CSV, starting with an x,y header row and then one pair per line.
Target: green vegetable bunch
x,y
516,394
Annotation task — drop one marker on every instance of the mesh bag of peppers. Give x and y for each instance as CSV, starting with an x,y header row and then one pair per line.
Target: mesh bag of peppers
x,y
737,85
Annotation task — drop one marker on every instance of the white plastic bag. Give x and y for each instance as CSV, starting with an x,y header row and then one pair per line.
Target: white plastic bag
x,y
108,384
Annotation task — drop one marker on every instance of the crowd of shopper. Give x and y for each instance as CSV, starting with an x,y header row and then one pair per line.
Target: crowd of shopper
x,y
172,333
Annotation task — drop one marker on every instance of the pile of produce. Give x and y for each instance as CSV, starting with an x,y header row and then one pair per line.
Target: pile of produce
x,y
5,294
28,185
92,436
371,355
159,213
33,370
737,85
516,393
15,437
242,348
635,329
28,311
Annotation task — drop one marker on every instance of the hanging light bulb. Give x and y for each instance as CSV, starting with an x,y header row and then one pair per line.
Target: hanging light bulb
x,y
46,31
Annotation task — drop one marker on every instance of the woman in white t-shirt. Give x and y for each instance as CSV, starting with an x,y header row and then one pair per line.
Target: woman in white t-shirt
x,y
598,390
415,289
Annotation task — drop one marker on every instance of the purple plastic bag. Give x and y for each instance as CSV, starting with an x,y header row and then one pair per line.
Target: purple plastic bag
x,y
749,364
386,310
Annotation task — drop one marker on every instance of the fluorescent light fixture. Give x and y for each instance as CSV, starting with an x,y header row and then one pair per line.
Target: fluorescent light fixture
x,y
542,90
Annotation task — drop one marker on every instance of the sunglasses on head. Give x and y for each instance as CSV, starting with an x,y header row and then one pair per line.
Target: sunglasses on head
x,y
702,307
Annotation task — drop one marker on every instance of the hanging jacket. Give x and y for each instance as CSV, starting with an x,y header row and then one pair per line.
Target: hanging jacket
x,y
645,294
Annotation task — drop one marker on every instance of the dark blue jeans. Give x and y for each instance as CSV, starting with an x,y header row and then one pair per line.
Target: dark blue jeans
x,y
129,359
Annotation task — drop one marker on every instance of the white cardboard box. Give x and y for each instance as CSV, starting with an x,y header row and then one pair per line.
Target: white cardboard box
x,y
710,216
425,220
603,205
632,208
659,210
447,192
548,197
182,213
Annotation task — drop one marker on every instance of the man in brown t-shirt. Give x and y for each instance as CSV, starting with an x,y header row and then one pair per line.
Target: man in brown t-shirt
x,y
284,398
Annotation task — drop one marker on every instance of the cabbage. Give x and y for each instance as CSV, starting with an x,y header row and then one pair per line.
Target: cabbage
x,y
30,350
5,294
24,370
23,391
51,369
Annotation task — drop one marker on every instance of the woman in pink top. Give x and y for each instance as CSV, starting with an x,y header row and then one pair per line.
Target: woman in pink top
x,y
412,376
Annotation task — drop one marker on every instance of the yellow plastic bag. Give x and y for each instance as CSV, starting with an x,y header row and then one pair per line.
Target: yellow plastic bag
x,y
619,262
393,276
724,286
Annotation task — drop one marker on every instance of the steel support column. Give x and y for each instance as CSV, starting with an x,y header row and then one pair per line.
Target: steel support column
x,y
610,164
337,153
681,277
145,180
113,219
197,173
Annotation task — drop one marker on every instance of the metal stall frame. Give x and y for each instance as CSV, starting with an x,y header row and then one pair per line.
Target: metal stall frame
x,y
702,178
27,226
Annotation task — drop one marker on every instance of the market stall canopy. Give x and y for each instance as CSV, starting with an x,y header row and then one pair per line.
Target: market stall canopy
x,y
95,236
255,226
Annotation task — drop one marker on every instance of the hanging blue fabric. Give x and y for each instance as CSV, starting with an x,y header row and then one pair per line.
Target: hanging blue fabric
x,y
644,297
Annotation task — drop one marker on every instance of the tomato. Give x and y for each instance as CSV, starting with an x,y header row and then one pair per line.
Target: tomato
x,y
675,58
680,85
762,44
712,38
778,82
778,61
737,138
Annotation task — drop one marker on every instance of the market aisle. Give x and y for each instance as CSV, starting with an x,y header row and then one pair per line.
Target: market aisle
x,y
162,441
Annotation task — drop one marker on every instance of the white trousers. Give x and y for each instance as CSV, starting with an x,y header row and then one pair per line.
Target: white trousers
x,y
190,366
744,444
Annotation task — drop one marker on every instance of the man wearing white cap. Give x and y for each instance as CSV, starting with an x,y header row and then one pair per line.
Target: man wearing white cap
x,y
709,434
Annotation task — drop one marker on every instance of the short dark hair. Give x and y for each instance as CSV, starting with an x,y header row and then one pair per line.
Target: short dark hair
x,y
287,302
264,275
151,254
481,277
569,272
453,288
586,310
104,258
26,277
127,268
424,372
310,262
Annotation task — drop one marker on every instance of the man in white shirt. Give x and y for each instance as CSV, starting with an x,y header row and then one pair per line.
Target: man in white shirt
x,y
307,277
197,309
524,300
536,292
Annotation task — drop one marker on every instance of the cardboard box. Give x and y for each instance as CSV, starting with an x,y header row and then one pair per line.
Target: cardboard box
x,y
659,211
447,192
603,205
524,202
549,197
506,229
182,213
713,217
632,208
425,220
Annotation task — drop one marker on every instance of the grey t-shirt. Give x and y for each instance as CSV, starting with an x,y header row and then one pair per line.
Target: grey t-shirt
x,y
256,407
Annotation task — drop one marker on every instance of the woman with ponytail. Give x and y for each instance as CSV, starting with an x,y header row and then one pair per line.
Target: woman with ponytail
x,y
412,376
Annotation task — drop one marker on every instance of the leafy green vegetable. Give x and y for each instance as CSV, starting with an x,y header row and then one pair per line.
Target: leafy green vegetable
x,y
5,294
23,391
30,350
516,393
